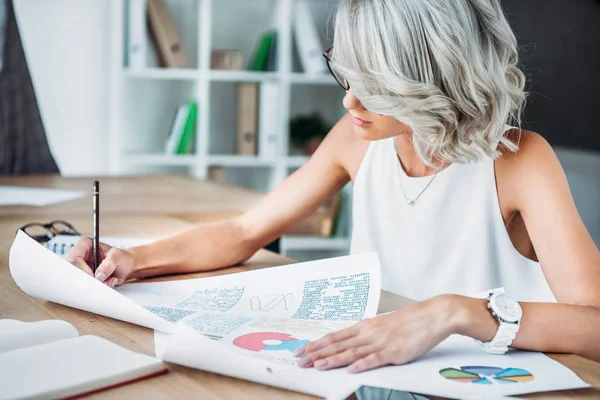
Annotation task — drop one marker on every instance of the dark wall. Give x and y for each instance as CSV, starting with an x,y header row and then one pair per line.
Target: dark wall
x,y
560,54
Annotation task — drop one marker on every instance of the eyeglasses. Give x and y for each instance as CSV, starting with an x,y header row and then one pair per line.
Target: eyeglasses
x,y
339,78
44,232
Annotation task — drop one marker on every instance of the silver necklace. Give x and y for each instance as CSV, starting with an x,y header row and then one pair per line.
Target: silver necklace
x,y
411,202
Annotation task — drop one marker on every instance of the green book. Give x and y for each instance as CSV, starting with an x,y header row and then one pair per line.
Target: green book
x,y
189,130
261,55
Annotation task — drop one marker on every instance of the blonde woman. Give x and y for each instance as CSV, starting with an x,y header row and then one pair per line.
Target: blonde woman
x,y
453,196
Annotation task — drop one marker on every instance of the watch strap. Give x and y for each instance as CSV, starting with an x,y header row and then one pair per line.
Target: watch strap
x,y
504,336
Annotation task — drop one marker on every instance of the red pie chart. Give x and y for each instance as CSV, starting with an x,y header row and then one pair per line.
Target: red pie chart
x,y
256,341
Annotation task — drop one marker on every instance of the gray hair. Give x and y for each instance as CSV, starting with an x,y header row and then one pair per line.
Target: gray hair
x,y
446,68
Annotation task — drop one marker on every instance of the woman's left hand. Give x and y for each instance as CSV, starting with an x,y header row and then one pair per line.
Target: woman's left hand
x,y
395,338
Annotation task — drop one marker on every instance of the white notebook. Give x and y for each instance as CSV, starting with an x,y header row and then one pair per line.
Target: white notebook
x,y
49,360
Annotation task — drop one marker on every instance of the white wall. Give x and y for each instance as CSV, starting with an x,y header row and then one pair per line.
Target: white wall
x,y
66,45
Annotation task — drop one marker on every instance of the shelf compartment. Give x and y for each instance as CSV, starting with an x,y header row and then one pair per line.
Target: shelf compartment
x,y
148,111
307,100
185,17
245,36
322,13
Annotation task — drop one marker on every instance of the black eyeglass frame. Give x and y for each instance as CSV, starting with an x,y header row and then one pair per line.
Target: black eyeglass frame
x,y
51,230
343,82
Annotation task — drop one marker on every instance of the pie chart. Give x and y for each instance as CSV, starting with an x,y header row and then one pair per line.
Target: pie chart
x,y
486,375
258,341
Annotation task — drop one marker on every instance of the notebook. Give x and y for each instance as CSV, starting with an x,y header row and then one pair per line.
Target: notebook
x,y
61,244
49,360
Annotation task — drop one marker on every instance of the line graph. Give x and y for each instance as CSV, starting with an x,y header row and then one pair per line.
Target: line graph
x,y
218,299
256,304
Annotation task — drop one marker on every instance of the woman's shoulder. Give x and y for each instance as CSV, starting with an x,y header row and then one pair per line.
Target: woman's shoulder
x,y
348,149
520,174
533,152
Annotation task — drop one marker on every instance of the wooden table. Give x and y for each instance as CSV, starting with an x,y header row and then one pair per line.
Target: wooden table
x,y
156,207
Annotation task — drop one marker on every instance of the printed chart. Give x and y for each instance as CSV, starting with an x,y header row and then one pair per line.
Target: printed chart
x,y
281,300
486,375
259,341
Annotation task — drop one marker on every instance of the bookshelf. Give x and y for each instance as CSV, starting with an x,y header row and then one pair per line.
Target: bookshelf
x,y
144,98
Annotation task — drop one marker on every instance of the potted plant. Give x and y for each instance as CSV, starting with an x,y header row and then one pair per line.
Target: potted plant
x,y
307,132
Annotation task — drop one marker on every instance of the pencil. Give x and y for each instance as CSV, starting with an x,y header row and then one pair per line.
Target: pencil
x,y
96,215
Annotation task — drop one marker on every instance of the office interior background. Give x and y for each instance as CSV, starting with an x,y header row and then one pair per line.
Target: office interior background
x,y
106,115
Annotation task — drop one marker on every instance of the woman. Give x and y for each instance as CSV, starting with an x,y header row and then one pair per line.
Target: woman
x,y
453,200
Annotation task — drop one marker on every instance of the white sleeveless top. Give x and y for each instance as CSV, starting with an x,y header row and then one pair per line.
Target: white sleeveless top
x,y
452,240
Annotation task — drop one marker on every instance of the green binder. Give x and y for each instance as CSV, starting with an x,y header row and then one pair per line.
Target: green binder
x,y
189,130
261,54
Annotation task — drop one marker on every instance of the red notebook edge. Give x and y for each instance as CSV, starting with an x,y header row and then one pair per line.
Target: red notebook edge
x,y
104,388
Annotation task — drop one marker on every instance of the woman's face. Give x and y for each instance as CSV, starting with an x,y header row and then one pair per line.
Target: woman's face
x,y
369,125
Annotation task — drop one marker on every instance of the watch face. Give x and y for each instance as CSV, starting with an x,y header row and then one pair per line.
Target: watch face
x,y
506,308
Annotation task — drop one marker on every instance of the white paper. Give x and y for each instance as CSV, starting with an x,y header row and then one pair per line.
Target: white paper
x,y
187,347
28,196
341,291
257,318
41,273
531,372
266,314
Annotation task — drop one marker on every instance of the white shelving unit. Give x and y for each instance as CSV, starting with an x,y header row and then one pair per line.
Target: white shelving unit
x,y
144,99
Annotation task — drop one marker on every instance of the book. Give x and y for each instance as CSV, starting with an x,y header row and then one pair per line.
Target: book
x,y
226,59
48,359
307,40
268,121
177,129
260,58
165,35
186,144
137,44
247,118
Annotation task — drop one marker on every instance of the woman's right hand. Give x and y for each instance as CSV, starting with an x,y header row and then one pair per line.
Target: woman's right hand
x,y
116,265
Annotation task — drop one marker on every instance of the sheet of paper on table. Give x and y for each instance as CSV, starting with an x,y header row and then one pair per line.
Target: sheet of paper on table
x,y
246,325
29,196
296,303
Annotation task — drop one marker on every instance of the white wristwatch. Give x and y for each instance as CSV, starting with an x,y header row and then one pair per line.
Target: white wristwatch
x,y
509,313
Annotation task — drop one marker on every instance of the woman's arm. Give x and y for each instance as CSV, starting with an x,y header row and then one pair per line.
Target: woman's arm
x,y
547,327
533,183
222,244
